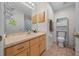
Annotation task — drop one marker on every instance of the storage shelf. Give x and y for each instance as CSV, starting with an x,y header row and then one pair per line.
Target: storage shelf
x,y
61,26
62,30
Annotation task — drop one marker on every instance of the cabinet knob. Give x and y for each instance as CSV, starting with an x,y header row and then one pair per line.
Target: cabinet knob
x,y
0,38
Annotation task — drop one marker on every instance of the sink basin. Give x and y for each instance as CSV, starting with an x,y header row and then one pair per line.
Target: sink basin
x,y
30,33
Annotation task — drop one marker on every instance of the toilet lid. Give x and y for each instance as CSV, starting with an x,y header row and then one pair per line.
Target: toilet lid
x,y
61,38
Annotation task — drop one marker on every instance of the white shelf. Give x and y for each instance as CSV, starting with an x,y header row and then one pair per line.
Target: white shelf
x,y
62,30
61,26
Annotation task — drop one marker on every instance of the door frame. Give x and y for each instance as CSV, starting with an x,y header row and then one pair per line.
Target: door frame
x,y
2,28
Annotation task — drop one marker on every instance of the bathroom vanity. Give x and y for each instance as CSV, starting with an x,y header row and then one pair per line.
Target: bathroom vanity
x,y
18,42
23,44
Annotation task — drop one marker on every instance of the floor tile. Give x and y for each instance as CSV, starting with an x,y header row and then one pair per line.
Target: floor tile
x,y
55,50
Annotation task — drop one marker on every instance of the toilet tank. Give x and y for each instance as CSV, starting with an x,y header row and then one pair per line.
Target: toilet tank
x,y
61,34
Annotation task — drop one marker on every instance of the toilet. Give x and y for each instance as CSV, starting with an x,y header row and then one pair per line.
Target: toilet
x,y
61,39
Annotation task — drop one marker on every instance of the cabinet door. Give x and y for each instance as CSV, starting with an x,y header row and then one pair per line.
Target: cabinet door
x,y
9,51
42,44
24,53
34,50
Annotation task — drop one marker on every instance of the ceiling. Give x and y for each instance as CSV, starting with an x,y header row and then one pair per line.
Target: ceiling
x,y
24,8
59,5
21,7
28,10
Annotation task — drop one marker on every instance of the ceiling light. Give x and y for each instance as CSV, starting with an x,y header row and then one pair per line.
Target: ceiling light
x,y
30,2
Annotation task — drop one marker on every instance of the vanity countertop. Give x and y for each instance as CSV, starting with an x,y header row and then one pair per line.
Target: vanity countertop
x,y
13,39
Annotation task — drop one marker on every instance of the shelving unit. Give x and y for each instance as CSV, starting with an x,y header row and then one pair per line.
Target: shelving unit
x,y
62,25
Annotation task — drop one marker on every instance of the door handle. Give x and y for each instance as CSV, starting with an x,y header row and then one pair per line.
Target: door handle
x,y
0,38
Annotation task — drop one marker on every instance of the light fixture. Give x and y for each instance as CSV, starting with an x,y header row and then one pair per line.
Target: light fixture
x,y
30,2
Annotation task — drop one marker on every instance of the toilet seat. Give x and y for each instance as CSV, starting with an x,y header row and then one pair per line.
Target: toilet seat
x,y
61,39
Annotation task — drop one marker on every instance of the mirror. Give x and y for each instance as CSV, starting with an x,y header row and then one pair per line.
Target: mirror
x,y
17,17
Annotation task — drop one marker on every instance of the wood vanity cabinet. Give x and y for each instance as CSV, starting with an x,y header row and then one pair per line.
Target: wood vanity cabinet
x,y
33,47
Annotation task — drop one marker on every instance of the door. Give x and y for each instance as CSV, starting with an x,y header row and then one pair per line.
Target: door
x,y
1,28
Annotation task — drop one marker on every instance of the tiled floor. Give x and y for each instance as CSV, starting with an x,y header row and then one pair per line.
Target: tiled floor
x,y
55,50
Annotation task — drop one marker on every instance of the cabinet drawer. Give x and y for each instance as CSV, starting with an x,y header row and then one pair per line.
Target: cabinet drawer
x,y
20,47
16,49
34,41
24,53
